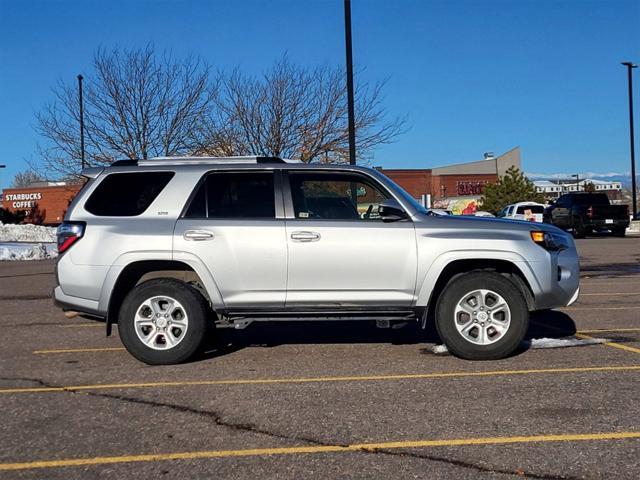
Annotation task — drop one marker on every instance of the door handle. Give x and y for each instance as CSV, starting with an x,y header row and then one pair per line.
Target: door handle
x,y
198,235
305,236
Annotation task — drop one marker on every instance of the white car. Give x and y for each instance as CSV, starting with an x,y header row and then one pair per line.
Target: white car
x,y
528,211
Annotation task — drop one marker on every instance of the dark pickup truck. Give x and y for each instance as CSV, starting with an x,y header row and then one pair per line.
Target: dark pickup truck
x,y
585,213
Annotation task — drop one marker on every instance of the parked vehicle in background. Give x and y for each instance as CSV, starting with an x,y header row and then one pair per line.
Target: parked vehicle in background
x,y
172,248
482,213
584,213
439,211
527,211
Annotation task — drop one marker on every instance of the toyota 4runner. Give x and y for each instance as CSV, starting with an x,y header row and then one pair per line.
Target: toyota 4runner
x,y
170,248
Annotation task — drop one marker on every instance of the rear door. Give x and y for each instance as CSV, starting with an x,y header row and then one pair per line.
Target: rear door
x,y
235,226
340,251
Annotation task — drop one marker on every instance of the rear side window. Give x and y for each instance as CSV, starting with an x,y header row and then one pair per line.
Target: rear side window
x,y
533,208
234,195
126,194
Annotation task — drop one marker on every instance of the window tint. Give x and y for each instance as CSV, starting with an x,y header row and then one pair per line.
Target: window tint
x,y
534,209
234,195
126,194
330,196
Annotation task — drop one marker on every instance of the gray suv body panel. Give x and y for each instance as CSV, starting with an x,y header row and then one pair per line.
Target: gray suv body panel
x,y
275,264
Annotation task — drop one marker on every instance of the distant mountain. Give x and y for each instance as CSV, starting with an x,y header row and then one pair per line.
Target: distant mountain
x,y
623,177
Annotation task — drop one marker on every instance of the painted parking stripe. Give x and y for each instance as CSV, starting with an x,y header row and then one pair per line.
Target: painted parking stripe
x,y
78,350
606,294
592,308
315,449
267,381
619,346
597,330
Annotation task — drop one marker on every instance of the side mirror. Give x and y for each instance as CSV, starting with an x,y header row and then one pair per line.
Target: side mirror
x,y
391,211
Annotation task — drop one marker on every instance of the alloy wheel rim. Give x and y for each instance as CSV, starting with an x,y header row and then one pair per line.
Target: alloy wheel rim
x,y
482,317
161,322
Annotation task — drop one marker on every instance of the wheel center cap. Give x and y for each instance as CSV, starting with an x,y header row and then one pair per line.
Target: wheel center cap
x,y
482,316
161,322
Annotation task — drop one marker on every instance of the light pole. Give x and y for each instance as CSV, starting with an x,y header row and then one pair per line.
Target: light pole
x,y
1,166
577,176
350,107
630,66
81,121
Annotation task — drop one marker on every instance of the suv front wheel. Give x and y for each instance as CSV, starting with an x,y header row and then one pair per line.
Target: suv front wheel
x,y
482,316
163,321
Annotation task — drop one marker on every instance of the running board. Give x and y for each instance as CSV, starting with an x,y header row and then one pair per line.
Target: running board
x,y
383,318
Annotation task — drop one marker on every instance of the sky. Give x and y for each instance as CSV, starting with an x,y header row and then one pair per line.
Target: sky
x,y
470,76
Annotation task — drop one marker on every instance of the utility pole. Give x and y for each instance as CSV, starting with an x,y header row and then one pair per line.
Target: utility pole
x,y
83,163
352,126
634,200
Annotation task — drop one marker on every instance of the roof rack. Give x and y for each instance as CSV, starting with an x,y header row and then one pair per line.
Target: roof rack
x,y
162,161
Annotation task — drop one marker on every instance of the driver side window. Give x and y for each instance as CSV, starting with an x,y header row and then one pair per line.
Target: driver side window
x,y
334,196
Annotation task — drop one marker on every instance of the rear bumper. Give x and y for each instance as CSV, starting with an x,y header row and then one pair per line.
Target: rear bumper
x,y
69,303
601,224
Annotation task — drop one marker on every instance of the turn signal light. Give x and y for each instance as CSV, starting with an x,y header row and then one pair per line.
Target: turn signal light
x,y
538,237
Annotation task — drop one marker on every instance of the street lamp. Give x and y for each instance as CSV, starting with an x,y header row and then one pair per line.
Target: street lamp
x,y
80,99
349,59
2,166
577,177
630,66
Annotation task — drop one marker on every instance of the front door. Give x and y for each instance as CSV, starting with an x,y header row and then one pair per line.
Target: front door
x,y
234,226
340,252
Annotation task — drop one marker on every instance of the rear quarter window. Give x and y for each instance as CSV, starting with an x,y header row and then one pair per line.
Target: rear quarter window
x,y
126,194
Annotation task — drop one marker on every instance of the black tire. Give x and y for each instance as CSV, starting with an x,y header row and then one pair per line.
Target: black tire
x,y
195,307
619,232
454,292
578,228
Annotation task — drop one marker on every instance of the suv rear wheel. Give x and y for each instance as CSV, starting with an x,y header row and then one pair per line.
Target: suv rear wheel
x,y
482,316
163,321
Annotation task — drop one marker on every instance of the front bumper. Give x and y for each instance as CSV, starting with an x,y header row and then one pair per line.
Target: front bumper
x,y
558,280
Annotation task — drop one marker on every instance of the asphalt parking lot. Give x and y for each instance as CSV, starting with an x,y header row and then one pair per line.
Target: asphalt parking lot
x,y
325,400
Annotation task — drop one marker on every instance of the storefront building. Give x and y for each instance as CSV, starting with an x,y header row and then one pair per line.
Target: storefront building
x,y
455,187
41,203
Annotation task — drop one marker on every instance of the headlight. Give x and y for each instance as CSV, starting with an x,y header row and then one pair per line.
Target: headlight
x,y
550,241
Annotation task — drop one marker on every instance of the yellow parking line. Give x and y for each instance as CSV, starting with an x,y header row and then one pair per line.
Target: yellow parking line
x,y
598,330
78,350
83,325
611,344
606,294
571,309
263,381
315,449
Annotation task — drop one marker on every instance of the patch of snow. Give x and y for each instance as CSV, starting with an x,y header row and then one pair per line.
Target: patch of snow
x,y
26,233
439,350
36,251
563,342
540,343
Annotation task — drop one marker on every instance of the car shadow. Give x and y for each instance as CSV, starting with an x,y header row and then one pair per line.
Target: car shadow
x,y
546,324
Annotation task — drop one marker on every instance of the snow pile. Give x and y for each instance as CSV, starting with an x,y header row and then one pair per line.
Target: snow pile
x,y
27,252
26,233
540,343
563,342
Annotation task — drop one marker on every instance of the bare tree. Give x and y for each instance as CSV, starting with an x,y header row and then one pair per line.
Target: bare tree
x,y
137,104
295,112
26,178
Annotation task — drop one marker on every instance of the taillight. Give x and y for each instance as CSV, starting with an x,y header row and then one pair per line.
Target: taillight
x,y
590,212
68,234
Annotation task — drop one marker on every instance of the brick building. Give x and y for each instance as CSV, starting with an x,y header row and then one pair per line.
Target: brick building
x,y
41,202
459,185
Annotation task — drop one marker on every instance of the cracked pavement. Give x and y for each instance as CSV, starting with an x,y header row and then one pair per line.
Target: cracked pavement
x,y
136,420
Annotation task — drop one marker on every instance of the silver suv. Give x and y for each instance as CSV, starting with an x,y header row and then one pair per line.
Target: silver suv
x,y
171,248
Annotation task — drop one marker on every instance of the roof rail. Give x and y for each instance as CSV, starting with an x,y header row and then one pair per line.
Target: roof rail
x,y
161,161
